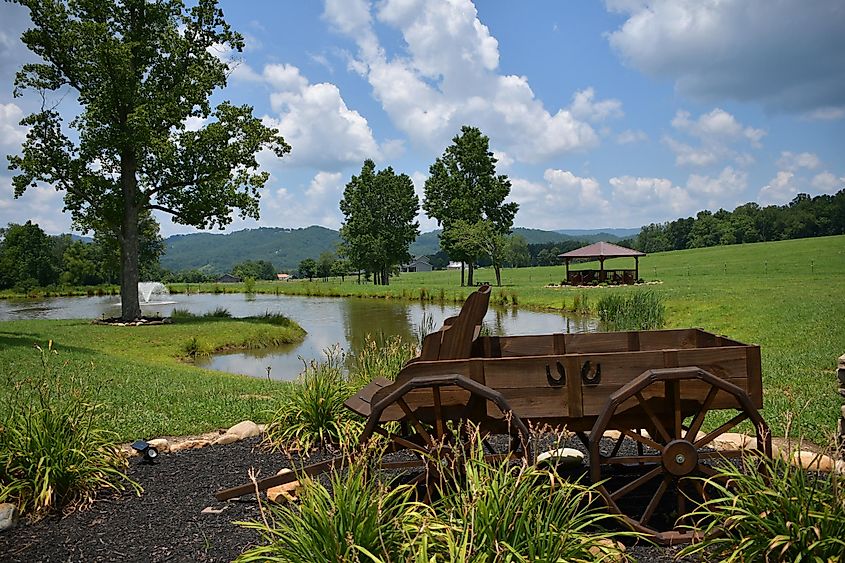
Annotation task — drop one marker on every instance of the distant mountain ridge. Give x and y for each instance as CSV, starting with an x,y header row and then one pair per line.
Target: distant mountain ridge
x,y
286,248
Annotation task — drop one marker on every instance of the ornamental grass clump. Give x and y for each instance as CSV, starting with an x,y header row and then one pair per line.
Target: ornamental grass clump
x,y
519,512
379,357
640,310
356,518
772,512
312,412
54,454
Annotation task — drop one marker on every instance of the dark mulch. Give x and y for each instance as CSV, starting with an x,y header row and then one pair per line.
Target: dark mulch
x,y
166,522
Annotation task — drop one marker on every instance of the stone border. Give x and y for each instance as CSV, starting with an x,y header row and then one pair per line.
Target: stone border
x,y
240,431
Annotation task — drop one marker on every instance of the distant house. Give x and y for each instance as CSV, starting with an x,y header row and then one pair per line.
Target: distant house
x,y
228,278
418,264
283,277
453,266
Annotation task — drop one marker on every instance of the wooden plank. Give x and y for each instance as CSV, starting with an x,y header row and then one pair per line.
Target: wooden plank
x,y
539,345
560,343
360,401
724,362
754,374
668,339
508,373
597,342
534,402
572,365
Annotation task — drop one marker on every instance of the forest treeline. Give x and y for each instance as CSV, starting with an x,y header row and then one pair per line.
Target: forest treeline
x,y
803,217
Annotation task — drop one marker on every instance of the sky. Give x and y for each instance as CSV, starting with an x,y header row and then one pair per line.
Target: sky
x,y
603,114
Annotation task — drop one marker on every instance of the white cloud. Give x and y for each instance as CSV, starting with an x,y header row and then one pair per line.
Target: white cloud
x,y
313,204
41,205
583,107
315,120
650,197
716,133
724,190
631,136
828,183
11,134
793,161
826,114
786,55
448,76
780,189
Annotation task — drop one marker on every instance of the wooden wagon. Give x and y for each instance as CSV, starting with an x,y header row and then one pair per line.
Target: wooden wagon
x,y
656,390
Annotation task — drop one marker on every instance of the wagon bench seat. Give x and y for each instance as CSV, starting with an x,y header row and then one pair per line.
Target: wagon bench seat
x,y
360,401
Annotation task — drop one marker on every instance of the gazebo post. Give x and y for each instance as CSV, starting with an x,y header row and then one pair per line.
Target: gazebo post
x,y
602,276
567,269
636,268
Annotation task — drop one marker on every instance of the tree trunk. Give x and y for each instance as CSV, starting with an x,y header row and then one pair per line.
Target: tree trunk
x,y
470,270
498,274
385,277
462,274
130,307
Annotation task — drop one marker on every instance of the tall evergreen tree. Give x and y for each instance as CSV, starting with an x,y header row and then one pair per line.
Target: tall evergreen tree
x,y
463,186
380,210
138,69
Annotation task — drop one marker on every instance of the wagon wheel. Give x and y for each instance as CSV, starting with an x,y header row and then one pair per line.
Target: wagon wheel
x,y
435,427
656,489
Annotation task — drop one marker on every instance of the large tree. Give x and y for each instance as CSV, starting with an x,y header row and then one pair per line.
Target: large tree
x,y
27,259
463,186
139,70
380,209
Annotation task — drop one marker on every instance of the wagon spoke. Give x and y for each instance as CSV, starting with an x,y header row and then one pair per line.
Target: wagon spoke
x,y
643,440
707,470
699,417
722,429
682,500
438,413
399,440
415,421
618,444
636,483
655,500
719,454
673,390
656,421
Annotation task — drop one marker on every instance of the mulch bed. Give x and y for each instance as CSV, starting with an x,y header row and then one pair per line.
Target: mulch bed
x,y
166,522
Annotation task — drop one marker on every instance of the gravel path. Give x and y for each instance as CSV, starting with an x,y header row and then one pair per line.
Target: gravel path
x,y
166,522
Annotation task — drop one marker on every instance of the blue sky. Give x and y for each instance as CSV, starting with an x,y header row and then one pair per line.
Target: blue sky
x,y
603,114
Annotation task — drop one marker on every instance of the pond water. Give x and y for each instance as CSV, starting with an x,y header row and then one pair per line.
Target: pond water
x,y
328,320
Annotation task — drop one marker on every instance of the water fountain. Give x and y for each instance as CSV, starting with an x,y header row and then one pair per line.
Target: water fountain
x,y
146,291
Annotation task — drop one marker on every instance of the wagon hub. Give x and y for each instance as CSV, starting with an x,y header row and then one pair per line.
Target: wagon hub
x,y
680,457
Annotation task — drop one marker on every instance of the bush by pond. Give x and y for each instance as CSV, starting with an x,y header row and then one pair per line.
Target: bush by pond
x,y
639,310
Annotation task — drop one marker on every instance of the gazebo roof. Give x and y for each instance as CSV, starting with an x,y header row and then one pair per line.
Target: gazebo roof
x,y
601,250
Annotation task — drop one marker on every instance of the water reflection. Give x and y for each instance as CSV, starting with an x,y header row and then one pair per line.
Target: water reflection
x,y
329,321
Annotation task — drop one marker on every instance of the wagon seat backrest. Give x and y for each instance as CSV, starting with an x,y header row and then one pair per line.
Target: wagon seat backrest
x,y
454,339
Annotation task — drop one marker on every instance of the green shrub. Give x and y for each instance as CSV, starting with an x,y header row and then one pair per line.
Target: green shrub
x,y
178,313
519,512
356,518
54,455
218,313
249,285
772,512
640,310
277,319
312,412
194,348
379,357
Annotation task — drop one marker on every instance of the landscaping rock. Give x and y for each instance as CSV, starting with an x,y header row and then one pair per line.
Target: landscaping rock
x,y
212,510
245,429
161,444
284,493
8,516
562,457
813,461
734,441
226,439
617,555
189,445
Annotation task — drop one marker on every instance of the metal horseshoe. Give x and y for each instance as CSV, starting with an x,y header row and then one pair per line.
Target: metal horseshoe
x,y
589,379
561,379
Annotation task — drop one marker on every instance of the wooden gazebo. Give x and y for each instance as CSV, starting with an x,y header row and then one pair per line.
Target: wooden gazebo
x,y
602,251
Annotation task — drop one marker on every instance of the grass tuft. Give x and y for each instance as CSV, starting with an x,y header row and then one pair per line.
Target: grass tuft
x,y
54,453
639,310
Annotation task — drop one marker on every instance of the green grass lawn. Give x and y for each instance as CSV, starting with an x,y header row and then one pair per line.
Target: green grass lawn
x,y
140,373
786,296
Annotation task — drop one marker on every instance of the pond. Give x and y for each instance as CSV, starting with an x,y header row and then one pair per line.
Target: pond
x,y
328,320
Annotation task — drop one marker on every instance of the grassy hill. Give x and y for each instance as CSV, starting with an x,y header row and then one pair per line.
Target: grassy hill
x,y
428,243
285,248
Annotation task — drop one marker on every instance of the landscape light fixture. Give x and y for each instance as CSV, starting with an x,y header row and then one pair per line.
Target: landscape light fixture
x,y
146,450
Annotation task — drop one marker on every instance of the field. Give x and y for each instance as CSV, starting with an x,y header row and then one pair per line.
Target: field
x,y
786,296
